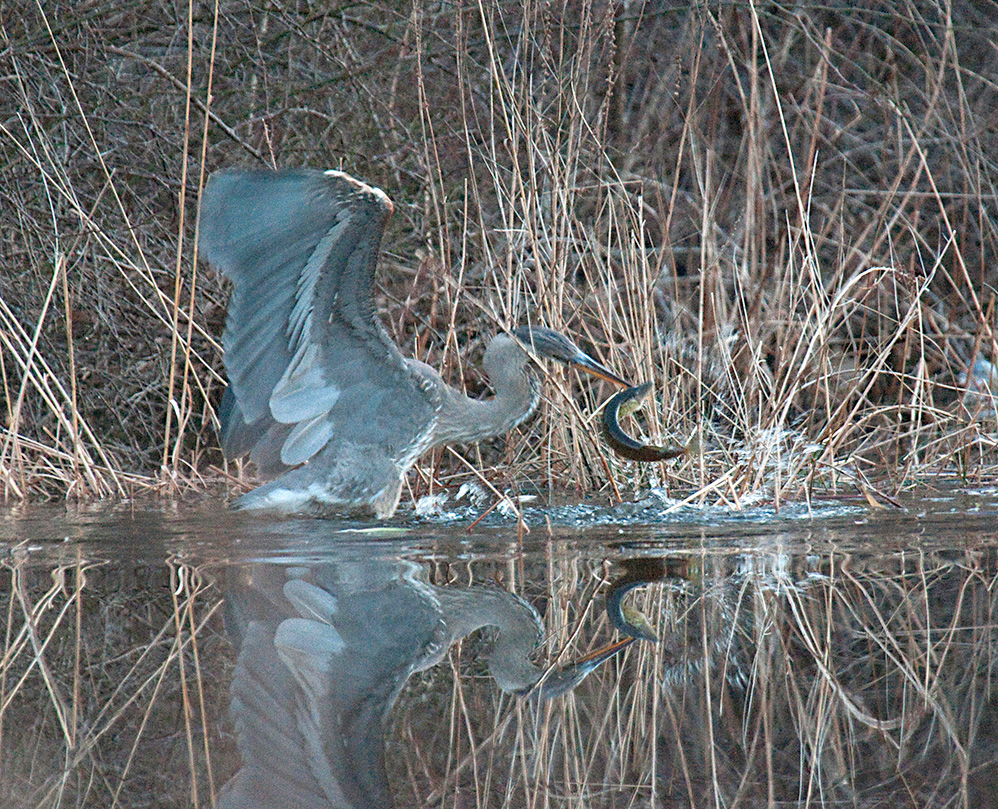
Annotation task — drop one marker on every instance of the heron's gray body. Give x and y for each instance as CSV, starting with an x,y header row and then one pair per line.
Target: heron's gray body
x,y
319,396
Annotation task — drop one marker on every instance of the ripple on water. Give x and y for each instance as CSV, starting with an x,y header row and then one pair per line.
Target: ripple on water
x,y
867,629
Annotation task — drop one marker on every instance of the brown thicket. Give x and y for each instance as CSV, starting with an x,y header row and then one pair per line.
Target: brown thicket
x,y
781,215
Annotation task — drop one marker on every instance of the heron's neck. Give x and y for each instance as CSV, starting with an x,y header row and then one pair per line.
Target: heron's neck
x,y
460,419
465,420
465,610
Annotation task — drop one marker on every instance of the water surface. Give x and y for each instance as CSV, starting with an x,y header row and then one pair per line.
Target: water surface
x,y
831,655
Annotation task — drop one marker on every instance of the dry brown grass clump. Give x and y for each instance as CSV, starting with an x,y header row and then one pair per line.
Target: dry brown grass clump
x,y
783,217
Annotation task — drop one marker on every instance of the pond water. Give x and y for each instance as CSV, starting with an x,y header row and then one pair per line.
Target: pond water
x,y
831,655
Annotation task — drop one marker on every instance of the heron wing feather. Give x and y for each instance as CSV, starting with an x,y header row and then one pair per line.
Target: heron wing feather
x,y
306,439
303,392
304,346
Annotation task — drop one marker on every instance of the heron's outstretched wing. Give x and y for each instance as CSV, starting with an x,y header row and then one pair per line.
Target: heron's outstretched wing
x,y
307,357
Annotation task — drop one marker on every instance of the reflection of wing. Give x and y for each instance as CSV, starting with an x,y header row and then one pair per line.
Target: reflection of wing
x,y
385,630
317,673
306,356
276,770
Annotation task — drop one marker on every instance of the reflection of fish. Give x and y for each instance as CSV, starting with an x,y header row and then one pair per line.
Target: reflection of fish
x,y
628,620
623,404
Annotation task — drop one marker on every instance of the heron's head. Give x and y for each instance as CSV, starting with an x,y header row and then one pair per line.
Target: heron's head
x,y
545,342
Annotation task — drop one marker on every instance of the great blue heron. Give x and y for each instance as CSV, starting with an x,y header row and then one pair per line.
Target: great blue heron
x,y
318,393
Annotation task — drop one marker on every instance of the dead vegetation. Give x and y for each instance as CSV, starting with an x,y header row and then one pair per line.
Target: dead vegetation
x,y
783,217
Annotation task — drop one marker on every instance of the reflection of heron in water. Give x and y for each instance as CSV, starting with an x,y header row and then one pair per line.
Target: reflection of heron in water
x,y
324,653
318,393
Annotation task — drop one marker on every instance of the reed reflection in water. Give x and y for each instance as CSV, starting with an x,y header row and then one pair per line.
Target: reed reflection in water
x,y
784,675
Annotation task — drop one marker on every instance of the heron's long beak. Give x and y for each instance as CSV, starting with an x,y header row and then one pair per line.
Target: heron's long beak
x,y
595,659
547,342
589,365
564,680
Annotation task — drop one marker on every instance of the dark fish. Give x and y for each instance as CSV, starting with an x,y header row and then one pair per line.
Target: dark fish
x,y
623,404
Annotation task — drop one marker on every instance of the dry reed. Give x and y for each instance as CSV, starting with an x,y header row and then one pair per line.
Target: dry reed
x,y
781,218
